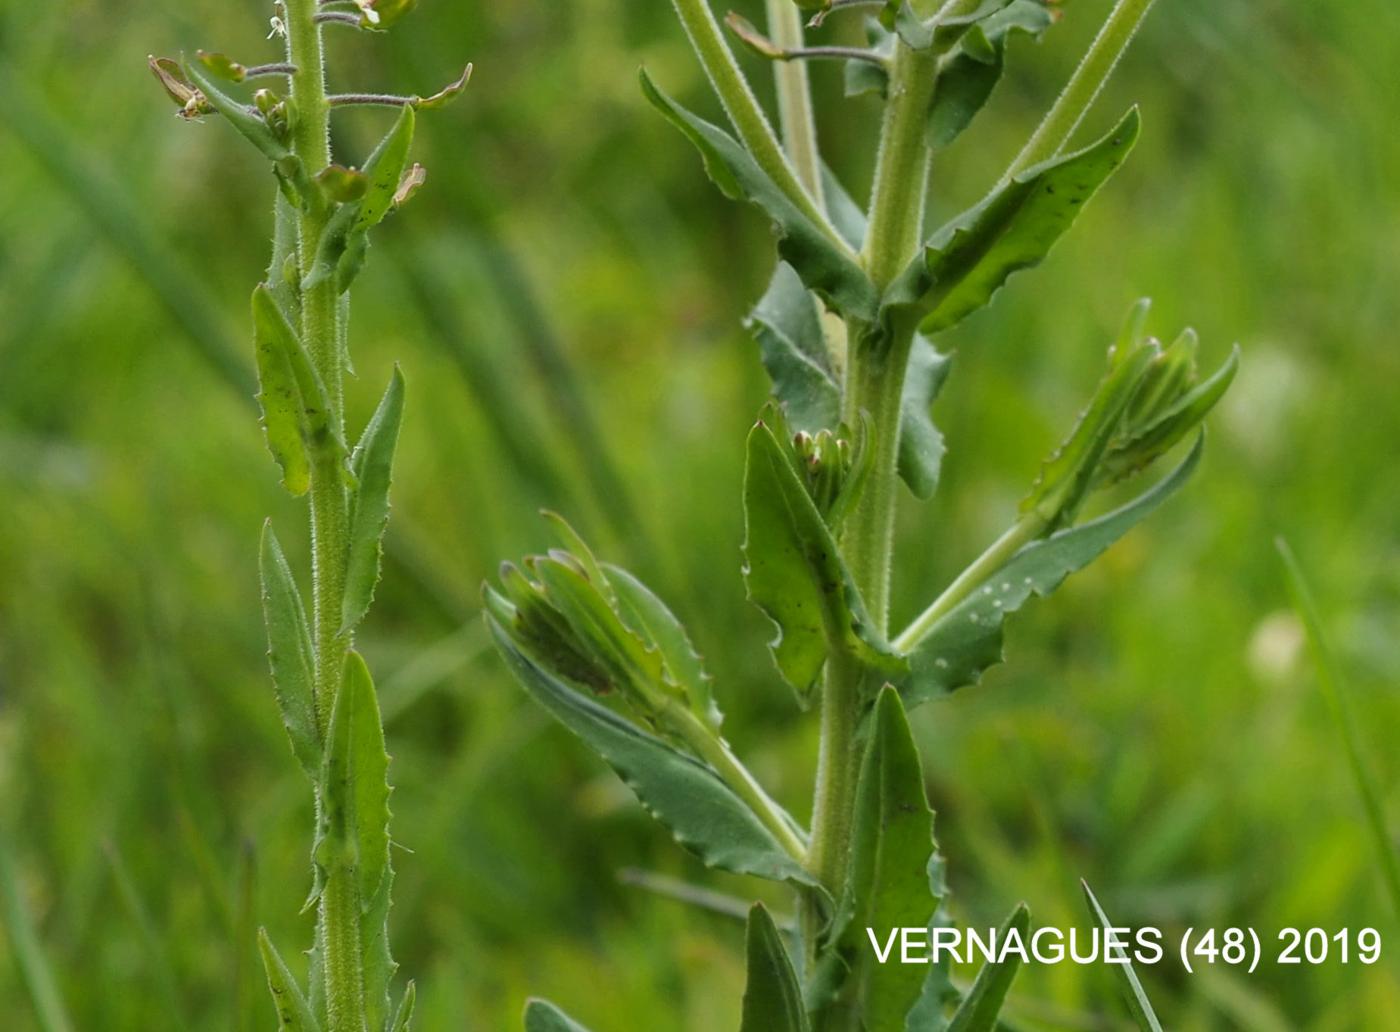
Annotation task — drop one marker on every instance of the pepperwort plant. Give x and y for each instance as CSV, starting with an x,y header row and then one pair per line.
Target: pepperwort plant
x,y
846,330
323,214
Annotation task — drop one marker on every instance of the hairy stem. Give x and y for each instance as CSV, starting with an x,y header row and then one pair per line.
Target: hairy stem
x,y
874,385
795,99
322,333
744,113
1084,85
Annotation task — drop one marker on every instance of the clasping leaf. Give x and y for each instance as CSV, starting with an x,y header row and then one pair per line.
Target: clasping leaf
x,y
772,997
371,465
795,573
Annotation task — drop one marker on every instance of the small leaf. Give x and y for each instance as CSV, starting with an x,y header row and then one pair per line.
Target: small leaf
x,y
967,261
983,1002
788,330
296,416
795,574
290,654
816,257
404,1016
772,997
293,1012
921,445
970,73
446,95
889,885
543,1016
688,797
1133,993
371,464
968,639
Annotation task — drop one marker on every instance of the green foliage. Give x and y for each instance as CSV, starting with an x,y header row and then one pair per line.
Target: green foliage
x,y
543,1016
823,265
982,1005
296,411
371,464
968,260
1133,994
290,654
293,1012
892,848
966,640
772,996
794,570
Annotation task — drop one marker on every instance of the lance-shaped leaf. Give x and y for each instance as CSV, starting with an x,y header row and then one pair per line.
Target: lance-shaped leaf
x,y
795,574
293,1012
971,72
819,260
296,414
687,796
289,653
1133,993
372,464
965,642
888,886
967,261
982,1004
772,997
341,250
543,1016
921,446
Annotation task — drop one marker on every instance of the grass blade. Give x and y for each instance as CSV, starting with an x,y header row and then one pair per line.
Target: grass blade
x,y
1133,992
1330,680
33,965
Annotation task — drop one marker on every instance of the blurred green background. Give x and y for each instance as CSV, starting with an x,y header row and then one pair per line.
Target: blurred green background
x,y
565,298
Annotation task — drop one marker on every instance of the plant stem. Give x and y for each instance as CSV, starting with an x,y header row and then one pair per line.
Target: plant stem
x,y
744,113
901,167
1084,85
1027,529
321,331
799,128
874,386
716,752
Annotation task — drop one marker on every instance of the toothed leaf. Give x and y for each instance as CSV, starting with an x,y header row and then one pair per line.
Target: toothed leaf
x,y
817,259
968,261
687,796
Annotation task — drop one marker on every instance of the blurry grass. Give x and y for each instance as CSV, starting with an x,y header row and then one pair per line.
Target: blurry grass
x,y
28,953
1339,705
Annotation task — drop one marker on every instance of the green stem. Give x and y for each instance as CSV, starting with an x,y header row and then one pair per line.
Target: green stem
x,y
322,335
874,387
799,128
901,167
1084,85
716,752
1030,527
744,113
340,919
